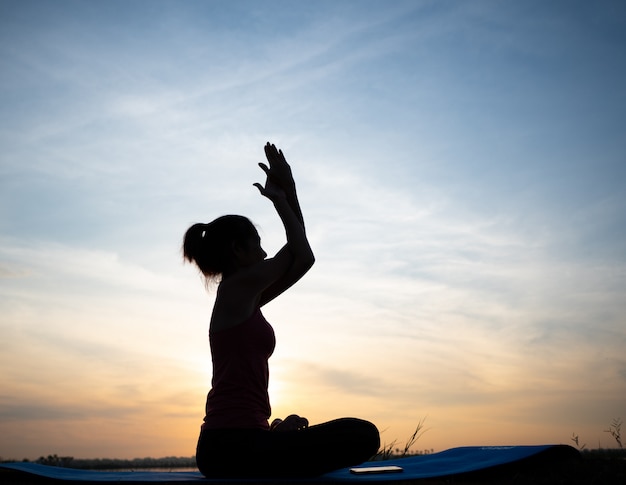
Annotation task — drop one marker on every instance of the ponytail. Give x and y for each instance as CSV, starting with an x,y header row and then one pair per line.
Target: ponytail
x,y
192,243
209,246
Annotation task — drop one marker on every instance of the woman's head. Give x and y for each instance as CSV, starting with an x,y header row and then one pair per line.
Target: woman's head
x,y
213,247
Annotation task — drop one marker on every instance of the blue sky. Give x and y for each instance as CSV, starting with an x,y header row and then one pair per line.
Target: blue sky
x,y
461,169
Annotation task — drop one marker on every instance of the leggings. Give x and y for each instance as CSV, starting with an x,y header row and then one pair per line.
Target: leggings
x,y
310,452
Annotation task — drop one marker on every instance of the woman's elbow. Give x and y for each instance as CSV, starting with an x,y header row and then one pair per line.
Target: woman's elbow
x,y
303,259
307,261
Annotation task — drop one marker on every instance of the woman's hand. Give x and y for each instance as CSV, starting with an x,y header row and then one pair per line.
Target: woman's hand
x,y
293,422
278,175
279,170
271,190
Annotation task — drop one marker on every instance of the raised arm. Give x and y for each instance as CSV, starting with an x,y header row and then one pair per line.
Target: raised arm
x,y
280,188
279,172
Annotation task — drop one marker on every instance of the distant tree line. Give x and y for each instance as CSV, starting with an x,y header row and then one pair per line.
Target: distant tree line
x,y
114,463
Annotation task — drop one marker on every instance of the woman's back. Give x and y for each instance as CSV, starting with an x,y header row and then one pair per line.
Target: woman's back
x,y
238,396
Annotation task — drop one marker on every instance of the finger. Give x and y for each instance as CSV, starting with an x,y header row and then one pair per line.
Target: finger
x,y
282,156
270,153
260,187
302,423
264,167
295,422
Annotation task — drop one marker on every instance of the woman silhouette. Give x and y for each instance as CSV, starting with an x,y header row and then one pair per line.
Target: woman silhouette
x,y
236,439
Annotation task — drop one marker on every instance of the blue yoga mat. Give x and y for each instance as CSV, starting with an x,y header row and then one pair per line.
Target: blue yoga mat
x,y
455,461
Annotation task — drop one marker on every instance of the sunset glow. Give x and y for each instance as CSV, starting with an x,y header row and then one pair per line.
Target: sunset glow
x,y
461,169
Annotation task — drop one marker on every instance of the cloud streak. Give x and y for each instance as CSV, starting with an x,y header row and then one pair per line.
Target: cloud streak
x,y
460,169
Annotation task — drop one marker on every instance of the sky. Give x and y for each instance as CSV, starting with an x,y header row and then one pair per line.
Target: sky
x,y
461,169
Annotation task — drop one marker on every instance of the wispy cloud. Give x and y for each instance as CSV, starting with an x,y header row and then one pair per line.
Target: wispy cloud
x,y
459,167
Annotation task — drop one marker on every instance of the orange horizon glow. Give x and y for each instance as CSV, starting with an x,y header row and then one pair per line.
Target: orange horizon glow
x,y
460,167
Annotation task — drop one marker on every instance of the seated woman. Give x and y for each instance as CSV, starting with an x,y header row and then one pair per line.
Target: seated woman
x,y
236,439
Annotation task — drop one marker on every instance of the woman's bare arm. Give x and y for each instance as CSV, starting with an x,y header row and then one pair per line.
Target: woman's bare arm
x,y
297,249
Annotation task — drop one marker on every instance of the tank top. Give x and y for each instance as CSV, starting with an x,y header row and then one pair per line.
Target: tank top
x,y
238,397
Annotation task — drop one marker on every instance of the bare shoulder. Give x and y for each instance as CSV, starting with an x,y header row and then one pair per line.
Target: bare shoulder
x,y
240,294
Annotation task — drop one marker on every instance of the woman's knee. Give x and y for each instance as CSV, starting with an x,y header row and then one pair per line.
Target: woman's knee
x,y
368,433
359,434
